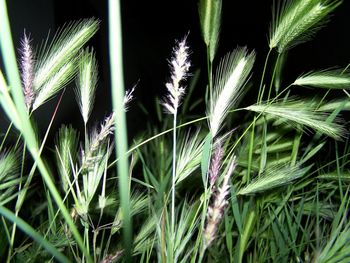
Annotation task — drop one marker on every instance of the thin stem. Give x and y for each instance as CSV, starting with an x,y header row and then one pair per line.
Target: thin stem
x,y
261,93
210,76
6,135
173,184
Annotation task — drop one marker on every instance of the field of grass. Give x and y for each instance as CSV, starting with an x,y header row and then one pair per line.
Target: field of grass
x,y
267,182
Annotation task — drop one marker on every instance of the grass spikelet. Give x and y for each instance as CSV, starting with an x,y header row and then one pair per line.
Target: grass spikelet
x,y
55,84
86,83
273,177
210,18
297,21
231,76
216,209
64,47
301,113
27,70
66,148
329,79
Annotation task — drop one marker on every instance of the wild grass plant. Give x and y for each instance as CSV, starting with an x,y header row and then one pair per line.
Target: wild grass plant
x,y
267,182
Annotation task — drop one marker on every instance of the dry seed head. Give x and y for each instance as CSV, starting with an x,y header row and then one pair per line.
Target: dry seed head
x,y
179,65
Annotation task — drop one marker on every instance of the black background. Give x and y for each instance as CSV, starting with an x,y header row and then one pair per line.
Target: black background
x,y
149,32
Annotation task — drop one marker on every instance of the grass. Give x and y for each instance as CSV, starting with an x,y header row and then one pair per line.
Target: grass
x,y
267,182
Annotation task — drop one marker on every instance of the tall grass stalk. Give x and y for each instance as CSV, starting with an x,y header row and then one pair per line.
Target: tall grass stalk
x,y
179,65
117,87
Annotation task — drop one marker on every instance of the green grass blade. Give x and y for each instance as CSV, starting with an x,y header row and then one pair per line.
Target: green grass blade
x,y
206,157
117,82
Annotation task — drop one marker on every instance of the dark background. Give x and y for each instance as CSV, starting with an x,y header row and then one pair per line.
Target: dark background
x,y
149,32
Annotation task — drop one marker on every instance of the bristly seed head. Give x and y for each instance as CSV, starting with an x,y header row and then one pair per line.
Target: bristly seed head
x,y
215,164
27,69
179,65
216,209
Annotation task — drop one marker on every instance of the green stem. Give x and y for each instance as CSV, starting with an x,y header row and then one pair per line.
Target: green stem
x,y
210,76
6,135
117,86
273,76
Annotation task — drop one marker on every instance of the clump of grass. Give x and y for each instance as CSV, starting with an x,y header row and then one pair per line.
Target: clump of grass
x,y
263,191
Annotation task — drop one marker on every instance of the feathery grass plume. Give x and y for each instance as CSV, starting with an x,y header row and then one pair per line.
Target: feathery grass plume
x,y
63,48
329,79
300,112
216,208
66,149
179,65
231,75
273,177
296,21
190,155
62,77
27,69
9,175
86,82
210,20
